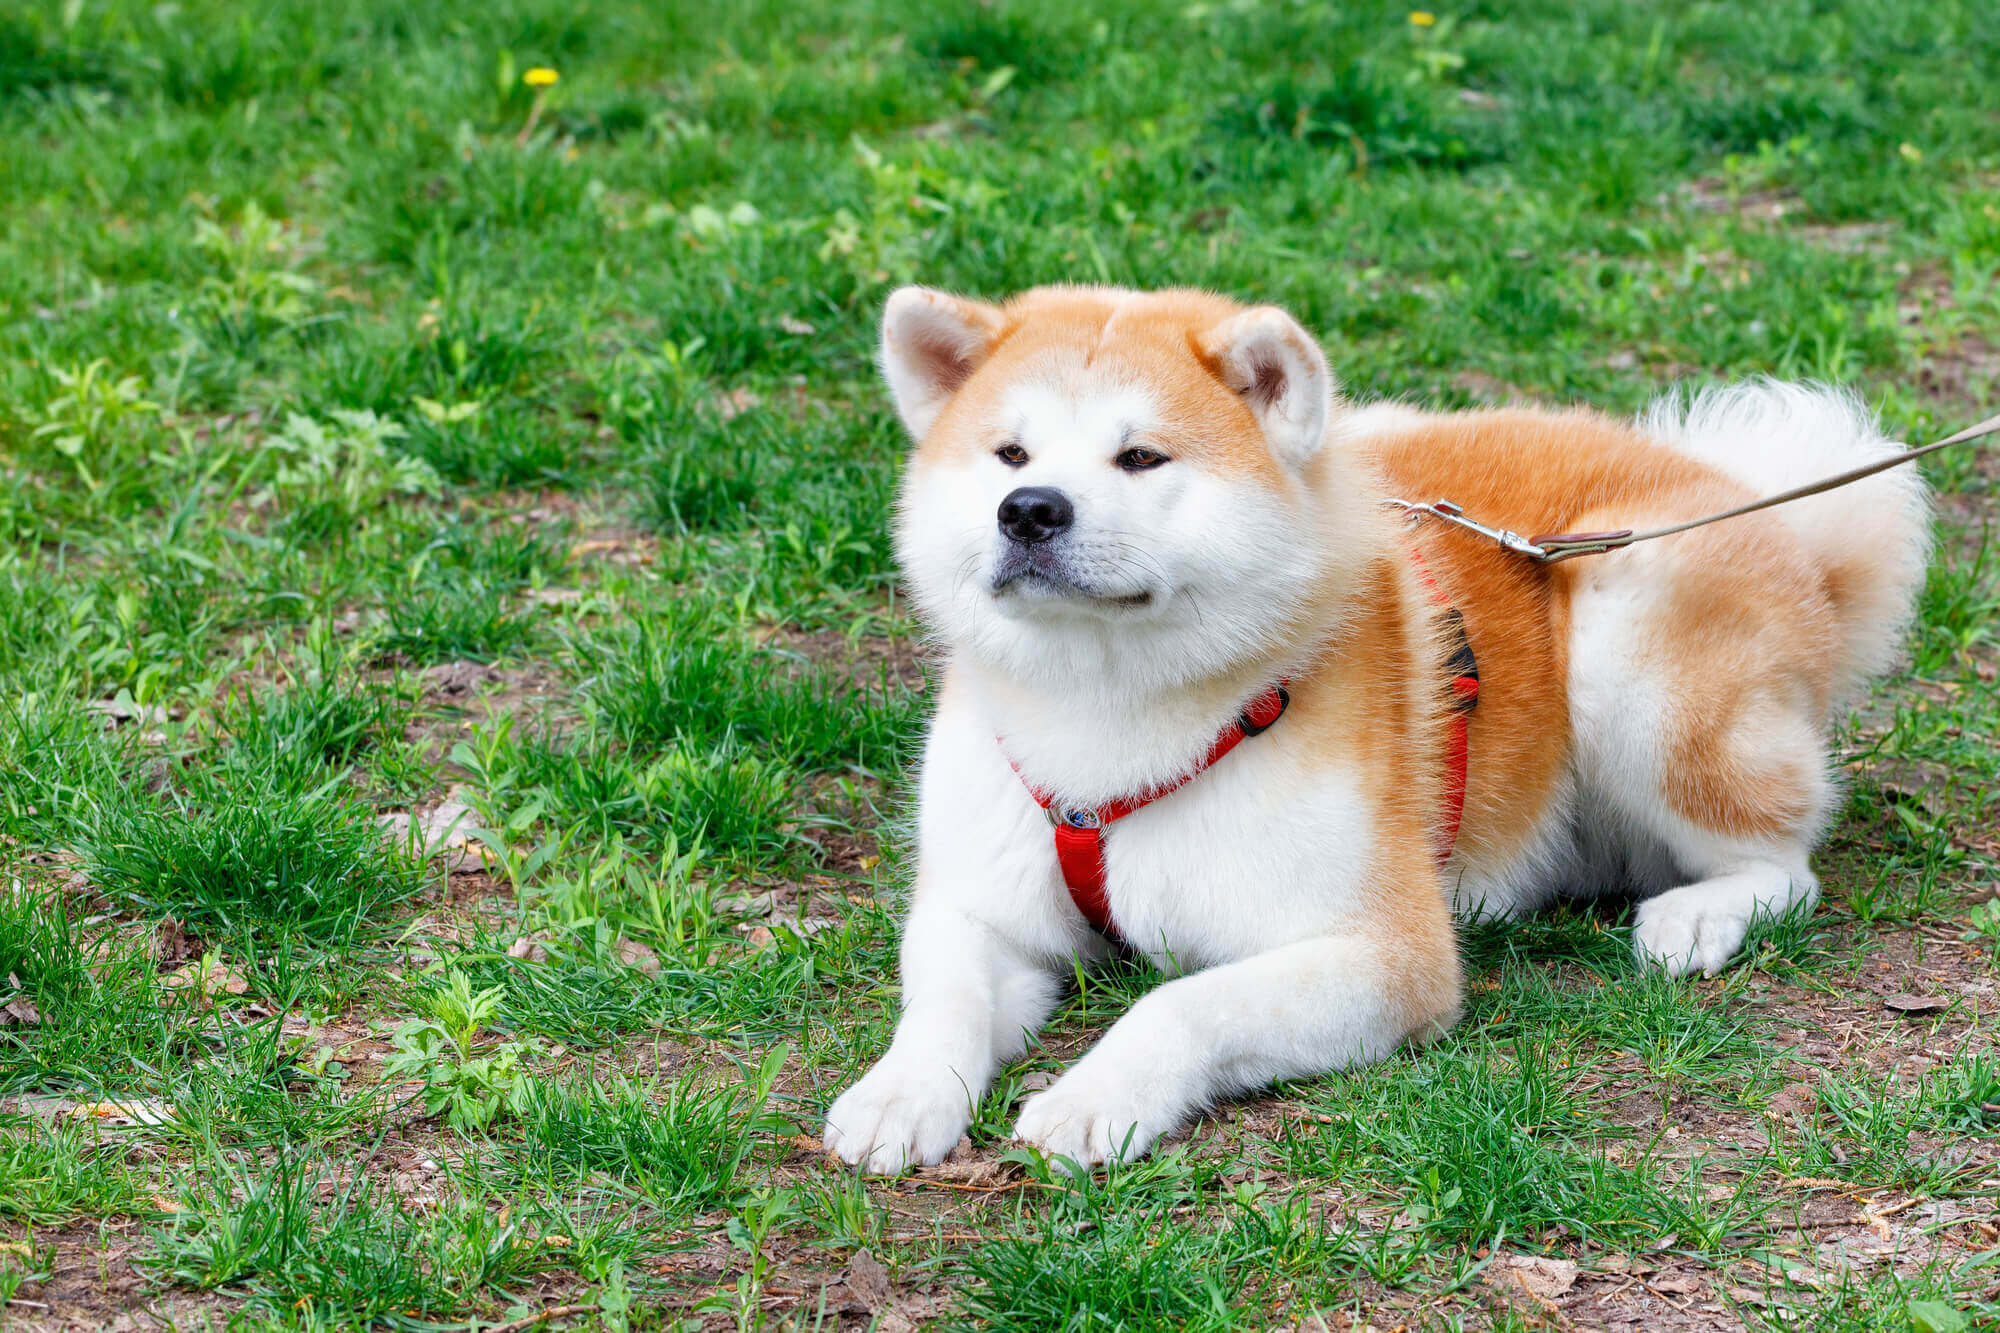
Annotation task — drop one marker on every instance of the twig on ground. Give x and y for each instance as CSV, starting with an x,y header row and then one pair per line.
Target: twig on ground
x,y
540,1316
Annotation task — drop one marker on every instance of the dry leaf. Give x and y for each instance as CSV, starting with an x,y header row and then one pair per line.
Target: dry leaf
x,y
210,976
170,941
1917,1004
634,954
869,1281
1676,1284
1542,1278
965,1165
906,1315
143,1111
528,948
1794,1099
735,403
451,830
122,709
19,1010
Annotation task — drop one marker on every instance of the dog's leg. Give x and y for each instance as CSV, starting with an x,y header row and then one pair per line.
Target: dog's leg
x,y
1699,682
970,999
1702,925
1306,1008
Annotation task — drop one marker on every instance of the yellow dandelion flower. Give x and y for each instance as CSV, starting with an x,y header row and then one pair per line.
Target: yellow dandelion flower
x,y
1422,18
540,77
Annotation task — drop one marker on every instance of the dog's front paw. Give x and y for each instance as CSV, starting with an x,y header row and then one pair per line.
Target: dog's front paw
x,y
1689,930
1090,1118
898,1116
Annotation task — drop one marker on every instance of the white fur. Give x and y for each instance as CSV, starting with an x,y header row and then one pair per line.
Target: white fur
x,y
1291,987
1613,827
1250,884
1774,436
1230,566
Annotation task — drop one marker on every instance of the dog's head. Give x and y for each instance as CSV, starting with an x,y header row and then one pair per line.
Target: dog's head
x,y
1115,482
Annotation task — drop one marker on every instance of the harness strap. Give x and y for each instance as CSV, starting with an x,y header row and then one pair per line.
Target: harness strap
x,y
1079,830
1464,669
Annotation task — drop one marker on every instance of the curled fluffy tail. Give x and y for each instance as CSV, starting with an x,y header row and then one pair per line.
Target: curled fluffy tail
x,y
1872,538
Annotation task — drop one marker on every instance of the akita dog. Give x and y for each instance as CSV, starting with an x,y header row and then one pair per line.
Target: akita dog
x,y
1281,730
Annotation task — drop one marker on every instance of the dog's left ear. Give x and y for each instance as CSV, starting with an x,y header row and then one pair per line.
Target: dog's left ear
x,y
1268,358
932,341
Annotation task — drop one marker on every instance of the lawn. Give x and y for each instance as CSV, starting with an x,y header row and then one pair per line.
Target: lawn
x,y
457,703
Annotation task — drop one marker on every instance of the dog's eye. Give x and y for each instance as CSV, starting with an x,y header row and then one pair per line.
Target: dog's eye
x,y
1140,460
1013,455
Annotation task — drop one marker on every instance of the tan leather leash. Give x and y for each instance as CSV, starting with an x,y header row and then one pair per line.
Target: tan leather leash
x,y
1549,548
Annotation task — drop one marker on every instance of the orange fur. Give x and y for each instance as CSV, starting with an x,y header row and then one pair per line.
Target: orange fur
x,y
1579,471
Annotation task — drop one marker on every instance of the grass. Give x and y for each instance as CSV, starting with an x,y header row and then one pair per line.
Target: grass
x,y
361,1257
376,431
252,865
53,1174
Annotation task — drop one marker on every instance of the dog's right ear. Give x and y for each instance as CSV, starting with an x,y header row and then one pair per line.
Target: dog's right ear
x,y
932,341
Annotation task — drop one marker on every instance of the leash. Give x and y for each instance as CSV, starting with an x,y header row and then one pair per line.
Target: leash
x,y
1550,548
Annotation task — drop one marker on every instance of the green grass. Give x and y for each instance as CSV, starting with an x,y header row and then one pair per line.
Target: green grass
x,y
49,1174
361,1257
253,865
371,438
679,1144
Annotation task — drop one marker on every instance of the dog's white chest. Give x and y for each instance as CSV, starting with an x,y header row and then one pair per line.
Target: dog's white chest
x,y
1252,854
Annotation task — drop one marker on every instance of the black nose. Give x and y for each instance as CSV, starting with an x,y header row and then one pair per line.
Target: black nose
x,y
1035,513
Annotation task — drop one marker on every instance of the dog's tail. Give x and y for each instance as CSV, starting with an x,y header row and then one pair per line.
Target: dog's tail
x,y
1871,538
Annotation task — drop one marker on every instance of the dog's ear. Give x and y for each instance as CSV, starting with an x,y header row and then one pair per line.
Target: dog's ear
x,y
932,341
1268,358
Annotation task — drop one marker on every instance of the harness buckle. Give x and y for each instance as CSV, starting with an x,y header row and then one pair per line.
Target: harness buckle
x,y
1081,817
1250,726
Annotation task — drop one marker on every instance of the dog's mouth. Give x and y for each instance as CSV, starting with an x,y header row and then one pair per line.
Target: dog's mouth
x,y
1020,575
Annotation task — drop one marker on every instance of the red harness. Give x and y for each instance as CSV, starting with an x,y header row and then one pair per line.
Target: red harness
x,y
1464,698
1079,830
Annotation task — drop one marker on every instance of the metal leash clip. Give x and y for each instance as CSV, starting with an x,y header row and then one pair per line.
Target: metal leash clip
x,y
1546,549
1452,514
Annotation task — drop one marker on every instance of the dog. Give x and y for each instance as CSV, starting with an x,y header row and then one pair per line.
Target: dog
x,y
1209,698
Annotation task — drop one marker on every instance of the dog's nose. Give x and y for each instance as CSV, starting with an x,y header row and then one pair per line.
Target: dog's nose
x,y
1033,514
